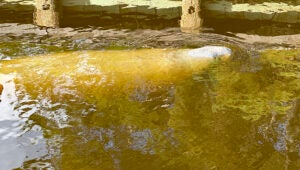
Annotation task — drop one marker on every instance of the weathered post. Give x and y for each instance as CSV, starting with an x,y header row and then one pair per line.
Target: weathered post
x,y
191,21
46,13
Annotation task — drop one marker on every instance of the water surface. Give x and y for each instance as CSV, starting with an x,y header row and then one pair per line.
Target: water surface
x,y
150,109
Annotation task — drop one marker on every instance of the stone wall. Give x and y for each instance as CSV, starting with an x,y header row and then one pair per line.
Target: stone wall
x,y
285,11
272,11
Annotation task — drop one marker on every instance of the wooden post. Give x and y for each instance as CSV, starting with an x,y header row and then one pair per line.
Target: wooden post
x,y
46,13
191,21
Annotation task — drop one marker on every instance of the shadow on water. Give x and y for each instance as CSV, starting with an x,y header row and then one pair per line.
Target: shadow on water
x,y
264,28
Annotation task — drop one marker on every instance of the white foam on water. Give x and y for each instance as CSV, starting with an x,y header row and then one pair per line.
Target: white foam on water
x,y
207,52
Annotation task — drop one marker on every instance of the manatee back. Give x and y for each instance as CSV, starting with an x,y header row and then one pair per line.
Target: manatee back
x,y
209,52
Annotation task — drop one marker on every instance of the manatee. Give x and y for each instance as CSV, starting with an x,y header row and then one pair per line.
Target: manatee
x,y
156,64
107,69
52,85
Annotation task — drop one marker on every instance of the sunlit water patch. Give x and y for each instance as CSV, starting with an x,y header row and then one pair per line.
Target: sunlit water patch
x,y
150,109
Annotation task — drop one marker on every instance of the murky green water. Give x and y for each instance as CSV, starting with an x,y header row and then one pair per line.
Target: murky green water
x,y
150,109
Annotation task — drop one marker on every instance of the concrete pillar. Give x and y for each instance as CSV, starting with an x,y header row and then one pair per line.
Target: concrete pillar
x,y
46,13
191,21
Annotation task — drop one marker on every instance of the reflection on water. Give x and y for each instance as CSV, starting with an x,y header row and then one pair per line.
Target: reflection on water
x,y
17,142
150,109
